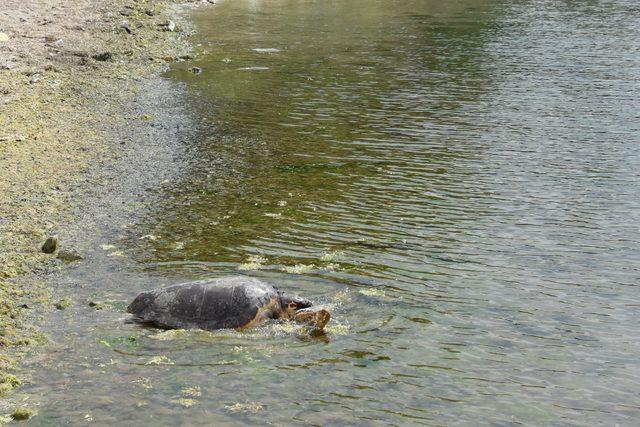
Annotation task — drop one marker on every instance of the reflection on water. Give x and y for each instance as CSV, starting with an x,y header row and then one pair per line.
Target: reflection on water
x,y
456,181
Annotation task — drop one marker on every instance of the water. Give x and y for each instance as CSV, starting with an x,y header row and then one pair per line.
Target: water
x,y
456,181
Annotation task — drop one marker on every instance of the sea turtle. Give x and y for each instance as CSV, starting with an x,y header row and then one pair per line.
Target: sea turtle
x,y
228,302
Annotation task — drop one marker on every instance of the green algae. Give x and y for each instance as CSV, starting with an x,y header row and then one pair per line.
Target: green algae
x,y
185,401
255,262
191,391
7,383
22,413
250,407
171,334
128,342
373,292
299,268
159,360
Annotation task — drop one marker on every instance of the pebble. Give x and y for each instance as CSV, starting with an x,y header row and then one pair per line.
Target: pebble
x,y
4,37
195,70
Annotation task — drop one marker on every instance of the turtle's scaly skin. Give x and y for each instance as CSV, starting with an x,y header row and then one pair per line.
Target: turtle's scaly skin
x,y
227,302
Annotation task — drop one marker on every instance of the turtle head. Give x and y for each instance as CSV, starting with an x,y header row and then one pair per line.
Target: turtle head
x,y
291,303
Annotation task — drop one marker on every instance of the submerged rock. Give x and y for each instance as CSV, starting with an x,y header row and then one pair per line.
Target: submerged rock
x,y
195,70
50,245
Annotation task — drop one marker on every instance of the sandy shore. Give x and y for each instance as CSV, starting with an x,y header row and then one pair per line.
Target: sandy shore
x,y
67,69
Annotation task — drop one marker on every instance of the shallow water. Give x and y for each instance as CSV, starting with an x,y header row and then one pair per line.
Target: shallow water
x,y
456,181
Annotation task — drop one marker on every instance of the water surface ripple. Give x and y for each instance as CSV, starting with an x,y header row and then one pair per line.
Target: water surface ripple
x,y
456,181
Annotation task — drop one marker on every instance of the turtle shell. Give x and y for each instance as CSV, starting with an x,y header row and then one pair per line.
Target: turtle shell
x,y
227,302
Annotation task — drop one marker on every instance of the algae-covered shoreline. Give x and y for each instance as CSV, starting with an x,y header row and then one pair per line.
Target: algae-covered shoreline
x,y
69,70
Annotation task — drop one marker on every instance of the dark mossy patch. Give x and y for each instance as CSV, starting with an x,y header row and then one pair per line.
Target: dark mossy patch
x,y
308,167
22,413
104,56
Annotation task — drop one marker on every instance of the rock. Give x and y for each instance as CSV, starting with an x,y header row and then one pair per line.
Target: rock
x,y
168,25
126,28
69,255
95,304
4,37
22,413
195,70
50,245
62,304
105,56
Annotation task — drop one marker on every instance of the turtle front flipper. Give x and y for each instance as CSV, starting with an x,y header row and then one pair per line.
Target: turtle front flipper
x,y
318,319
